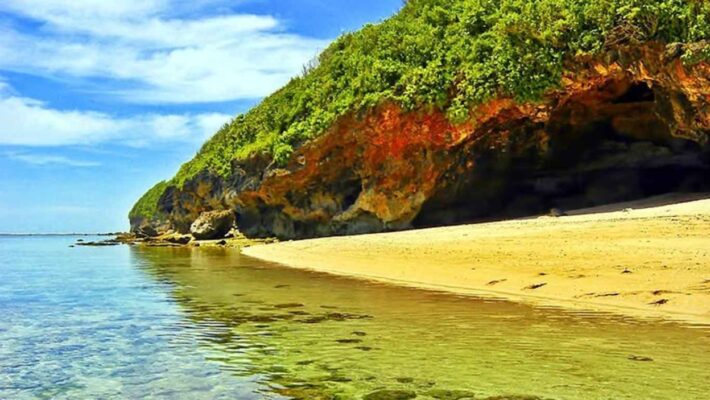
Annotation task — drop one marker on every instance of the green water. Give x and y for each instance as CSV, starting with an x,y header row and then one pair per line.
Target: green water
x,y
178,323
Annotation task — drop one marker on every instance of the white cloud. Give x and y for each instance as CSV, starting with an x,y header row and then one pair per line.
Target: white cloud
x,y
46,9
5,88
29,122
46,159
166,59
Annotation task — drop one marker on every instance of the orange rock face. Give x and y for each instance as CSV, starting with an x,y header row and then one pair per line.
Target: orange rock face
x,y
633,124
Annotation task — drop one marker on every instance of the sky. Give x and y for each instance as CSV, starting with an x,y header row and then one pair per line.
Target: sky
x,y
99,100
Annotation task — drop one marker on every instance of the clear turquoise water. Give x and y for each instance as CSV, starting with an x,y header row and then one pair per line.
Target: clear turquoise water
x,y
87,323
121,322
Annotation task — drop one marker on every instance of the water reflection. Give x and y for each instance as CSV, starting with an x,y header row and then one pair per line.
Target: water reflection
x,y
315,336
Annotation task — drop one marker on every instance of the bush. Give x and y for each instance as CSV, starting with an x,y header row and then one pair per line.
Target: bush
x,y
147,206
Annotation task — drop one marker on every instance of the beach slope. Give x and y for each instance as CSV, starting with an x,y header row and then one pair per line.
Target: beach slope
x,y
643,259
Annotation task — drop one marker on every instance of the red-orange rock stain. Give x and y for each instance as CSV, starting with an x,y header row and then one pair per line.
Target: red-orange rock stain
x,y
401,158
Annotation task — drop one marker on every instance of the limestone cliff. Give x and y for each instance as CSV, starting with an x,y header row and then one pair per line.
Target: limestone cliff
x,y
628,121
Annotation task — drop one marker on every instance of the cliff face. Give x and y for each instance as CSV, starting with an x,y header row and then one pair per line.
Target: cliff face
x,y
632,122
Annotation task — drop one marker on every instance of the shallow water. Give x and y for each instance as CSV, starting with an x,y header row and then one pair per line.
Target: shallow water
x,y
126,322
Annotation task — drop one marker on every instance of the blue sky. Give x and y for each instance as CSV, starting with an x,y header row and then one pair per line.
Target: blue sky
x,y
101,99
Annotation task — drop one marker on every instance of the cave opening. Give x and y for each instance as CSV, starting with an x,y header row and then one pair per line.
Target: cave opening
x,y
609,146
351,191
637,92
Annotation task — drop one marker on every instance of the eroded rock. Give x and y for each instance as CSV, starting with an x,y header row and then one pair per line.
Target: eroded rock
x,y
177,239
212,225
628,124
147,230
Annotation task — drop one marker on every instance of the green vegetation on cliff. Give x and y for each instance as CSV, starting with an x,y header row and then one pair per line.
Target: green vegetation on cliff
x,y
448,54
147,206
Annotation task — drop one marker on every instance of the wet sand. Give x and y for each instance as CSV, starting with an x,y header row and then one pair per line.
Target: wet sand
x,y
644,259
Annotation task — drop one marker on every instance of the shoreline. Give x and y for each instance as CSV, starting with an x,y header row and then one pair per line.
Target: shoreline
x,y
645,259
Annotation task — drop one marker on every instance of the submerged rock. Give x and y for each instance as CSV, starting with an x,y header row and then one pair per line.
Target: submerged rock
x,y
337,378
390,395
442,394
212,225
103,243
289,305
349,341
334,316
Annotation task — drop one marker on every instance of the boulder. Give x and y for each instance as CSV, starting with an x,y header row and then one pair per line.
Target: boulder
x,y
212,225
178,239
147,230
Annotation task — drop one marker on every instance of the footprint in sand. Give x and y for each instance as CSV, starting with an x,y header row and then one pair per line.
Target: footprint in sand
x,y
535,286
660,292
610,294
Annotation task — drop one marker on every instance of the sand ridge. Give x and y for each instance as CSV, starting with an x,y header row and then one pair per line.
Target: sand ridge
x,y
644,259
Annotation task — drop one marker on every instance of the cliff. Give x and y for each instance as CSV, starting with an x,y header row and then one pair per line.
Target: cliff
x,y
458,110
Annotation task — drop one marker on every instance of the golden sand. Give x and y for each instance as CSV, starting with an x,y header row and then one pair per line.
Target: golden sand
x,y
643,260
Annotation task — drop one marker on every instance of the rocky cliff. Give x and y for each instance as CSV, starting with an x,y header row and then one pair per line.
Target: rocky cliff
x,y
627,121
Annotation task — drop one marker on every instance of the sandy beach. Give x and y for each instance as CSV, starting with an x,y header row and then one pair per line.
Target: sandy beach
x,y
647,259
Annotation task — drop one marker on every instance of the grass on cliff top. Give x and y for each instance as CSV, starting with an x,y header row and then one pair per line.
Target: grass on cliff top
x,y
147,206
448,54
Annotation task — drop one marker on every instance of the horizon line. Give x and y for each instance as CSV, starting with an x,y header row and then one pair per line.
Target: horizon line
x,y
61,234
